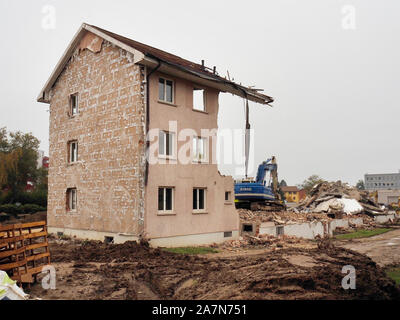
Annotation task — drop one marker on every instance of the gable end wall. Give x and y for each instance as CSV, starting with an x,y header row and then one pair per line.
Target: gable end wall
x,y
109,175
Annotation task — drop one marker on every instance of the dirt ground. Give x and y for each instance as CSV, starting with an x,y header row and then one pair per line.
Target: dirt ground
x,y
383,248
93,270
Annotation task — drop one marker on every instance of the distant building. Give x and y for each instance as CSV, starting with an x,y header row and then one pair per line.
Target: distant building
x,y
387,197
382,181
42,160
293,194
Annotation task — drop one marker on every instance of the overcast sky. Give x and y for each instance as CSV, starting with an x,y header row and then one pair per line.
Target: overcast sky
x,y
335,79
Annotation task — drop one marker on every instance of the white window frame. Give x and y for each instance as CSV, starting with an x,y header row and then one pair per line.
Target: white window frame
x,y
172,145
71,154
72,194
165,90
71,98
195,153
197,210
164,210
204,99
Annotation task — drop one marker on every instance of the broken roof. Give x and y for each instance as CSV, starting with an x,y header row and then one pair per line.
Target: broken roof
x,y
290,189
152,57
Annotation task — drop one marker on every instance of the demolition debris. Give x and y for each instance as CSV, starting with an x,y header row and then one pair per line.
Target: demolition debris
x,y
337,198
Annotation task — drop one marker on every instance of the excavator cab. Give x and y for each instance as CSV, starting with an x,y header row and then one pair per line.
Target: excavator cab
x,y
256,194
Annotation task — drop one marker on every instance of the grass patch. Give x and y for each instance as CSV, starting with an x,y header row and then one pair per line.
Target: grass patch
x,y
362,233
191,250
394,274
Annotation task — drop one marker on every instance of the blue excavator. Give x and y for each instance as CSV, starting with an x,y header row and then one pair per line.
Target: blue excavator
x,y
260,194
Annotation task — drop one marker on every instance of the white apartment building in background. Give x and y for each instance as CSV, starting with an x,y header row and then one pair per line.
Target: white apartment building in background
x,y
382,181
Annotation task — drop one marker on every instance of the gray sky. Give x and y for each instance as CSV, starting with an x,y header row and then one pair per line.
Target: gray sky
x,y
337,90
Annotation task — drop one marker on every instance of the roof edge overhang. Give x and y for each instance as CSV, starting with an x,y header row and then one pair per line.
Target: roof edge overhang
x,y
209,81
146,60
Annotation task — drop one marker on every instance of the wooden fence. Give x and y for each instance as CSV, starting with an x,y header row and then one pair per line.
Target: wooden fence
x,y
24,250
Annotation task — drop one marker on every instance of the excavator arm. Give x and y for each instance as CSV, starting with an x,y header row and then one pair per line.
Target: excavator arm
x,y
271,166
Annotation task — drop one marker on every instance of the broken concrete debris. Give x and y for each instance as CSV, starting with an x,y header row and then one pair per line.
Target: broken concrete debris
x,y
337,198
261,241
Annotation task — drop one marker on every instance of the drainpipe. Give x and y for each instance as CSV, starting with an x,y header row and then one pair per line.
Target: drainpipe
x,y
148,117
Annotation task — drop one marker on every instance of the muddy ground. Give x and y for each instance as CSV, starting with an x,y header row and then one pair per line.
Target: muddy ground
x,y
93,270
383,248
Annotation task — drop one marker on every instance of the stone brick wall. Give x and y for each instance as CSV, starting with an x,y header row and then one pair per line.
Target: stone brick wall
x,y
109,128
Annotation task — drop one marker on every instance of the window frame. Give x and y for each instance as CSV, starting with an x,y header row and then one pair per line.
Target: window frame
x,y
71,97
229,193
173,145
195,157
165,90
164,210
197,209
204,99
71,201
70,153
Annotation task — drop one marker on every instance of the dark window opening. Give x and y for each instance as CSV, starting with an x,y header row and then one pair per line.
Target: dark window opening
x,y
71,199
108,240
73,100
227,234
247,228
199,199
279,230
165,199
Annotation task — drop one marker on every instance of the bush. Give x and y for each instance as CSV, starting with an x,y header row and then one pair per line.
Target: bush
x,y
38,197
9,208
26,208
31,208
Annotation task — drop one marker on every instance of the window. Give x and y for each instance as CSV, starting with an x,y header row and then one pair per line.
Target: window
x,y
73,104
165,199
108,240
227,196
165,143
279,231
71,199
199,99
165,90
73,151
199,199
227,234
247,228
199,149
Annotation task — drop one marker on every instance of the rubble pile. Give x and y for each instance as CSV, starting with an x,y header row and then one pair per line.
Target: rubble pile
x,y
281,217
248,241
336,199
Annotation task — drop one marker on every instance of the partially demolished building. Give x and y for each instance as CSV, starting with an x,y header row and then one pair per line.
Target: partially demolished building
x,y
108,95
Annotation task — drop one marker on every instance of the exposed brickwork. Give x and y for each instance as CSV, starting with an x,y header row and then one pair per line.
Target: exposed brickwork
x,y
109,128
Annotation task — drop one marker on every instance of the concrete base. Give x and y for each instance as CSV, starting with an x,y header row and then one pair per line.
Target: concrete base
x,y
310,230
93,235
177,241
305,230
193,239
384,218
